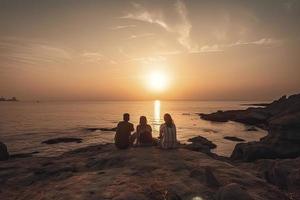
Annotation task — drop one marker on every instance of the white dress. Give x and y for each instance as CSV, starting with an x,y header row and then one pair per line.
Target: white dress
x,y
168,138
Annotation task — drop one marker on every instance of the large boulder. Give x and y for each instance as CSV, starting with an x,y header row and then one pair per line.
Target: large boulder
x,y
252,151
203,141
232,191
4,155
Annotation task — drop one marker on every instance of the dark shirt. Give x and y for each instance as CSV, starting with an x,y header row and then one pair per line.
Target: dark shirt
x,y
123,133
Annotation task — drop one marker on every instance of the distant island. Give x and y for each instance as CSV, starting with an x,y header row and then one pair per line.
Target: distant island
x,y
11,99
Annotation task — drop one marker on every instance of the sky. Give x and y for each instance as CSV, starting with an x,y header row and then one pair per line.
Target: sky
x,y
108,50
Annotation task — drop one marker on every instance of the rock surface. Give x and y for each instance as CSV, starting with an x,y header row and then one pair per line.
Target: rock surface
x,y
62,140
284,173
103,172
233,191
282,120
4,155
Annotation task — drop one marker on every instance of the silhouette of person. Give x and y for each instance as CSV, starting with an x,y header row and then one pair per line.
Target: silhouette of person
x,y
123,133
167,133
144,132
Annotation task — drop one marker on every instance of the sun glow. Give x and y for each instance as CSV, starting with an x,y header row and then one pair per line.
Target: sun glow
x,y
157,81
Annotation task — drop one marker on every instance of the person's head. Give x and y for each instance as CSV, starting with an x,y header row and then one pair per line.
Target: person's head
x,y
143,120
126,117
168,120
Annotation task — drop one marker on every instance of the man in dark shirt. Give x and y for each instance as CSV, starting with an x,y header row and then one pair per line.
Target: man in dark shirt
x,y
123,133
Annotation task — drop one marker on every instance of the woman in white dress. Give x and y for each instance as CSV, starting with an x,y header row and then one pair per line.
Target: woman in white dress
x,y
167,133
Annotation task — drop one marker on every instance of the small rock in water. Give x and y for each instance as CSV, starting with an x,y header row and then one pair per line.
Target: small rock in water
x,y
62,140
235,139
203,141
4,155
101,129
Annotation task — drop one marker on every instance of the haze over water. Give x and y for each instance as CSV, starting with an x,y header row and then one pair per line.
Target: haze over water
x,y
24,125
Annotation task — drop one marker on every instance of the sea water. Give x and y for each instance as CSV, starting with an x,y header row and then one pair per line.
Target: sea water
x,y
24,125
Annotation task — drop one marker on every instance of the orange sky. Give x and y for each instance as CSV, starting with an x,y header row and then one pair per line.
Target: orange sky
x,y
106,50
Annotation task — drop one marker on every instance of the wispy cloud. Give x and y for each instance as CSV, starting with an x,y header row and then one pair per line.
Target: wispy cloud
x,y
222,47
181,28
141,36
262,41
31,52
148,59
96,57
142,14
122,27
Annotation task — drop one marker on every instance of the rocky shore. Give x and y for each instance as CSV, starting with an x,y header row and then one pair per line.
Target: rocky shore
x,y
264,170
282,120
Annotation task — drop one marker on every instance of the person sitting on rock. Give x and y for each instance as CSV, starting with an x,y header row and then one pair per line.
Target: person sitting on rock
x,y
167,133
144,133
123,133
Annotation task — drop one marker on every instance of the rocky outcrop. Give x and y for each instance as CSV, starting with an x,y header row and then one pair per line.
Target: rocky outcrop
x,y
62,140
103,172
282,120
4,155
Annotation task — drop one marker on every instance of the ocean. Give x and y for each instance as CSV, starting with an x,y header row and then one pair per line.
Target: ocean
x,y
24,125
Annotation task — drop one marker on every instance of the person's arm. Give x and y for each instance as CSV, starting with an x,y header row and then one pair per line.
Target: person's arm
x,y
160,132
137,135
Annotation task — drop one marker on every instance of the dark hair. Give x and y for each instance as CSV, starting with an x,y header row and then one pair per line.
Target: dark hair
x,y
126,117
168,120
143,120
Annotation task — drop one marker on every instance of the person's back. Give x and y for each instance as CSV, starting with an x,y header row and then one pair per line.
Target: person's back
x,y
144,133
123,133
167,132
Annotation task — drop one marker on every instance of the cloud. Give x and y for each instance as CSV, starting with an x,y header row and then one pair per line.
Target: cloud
x,y
92,56
96,57
222,47
123,27
142,14
262,41
30,52
182,26
141,36
148,59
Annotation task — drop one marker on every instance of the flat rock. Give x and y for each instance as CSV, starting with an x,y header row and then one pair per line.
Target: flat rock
x,y
62,140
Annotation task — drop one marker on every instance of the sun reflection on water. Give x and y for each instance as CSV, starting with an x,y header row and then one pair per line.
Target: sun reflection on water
x,y
156,115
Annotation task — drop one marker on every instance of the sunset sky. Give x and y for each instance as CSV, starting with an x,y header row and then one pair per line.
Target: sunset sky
x,y
144,50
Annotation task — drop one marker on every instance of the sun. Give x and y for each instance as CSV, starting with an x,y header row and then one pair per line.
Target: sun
x,y
157,81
